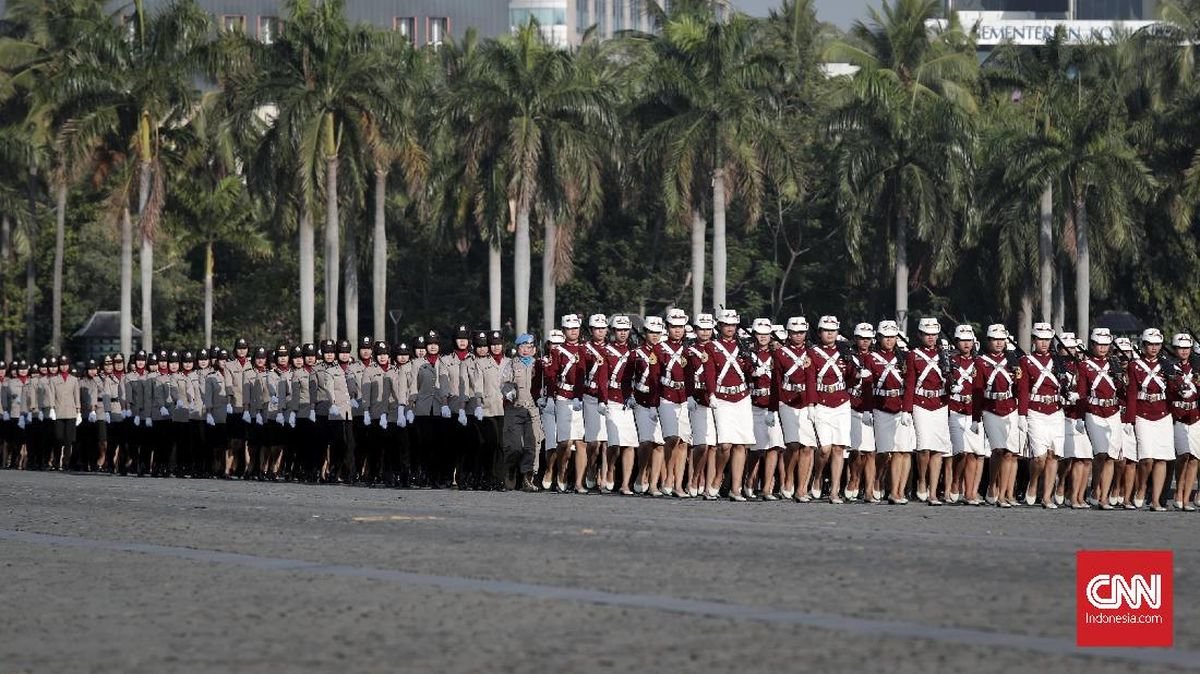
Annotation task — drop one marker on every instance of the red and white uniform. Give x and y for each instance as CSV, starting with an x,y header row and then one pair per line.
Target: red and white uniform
x,y
672,390
730,394
567,372
792,371
1100,399
764,398
996,388
925,399
621,427
595,391
1039,400
543,388
704,426
1146,408
1076,444
887,402
1183,400
964,407
862,436
644,366
829,381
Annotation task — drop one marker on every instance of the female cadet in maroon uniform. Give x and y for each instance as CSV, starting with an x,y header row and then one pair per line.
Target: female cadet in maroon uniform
x,y
565,370
671,387
704,428
792,364
892,428
1099,381
620,425
595,398
925,402
995,384
764,398
862,474
1146,407
731,407
645,409
968,448
1039,404
1181,393
1077,448
831,376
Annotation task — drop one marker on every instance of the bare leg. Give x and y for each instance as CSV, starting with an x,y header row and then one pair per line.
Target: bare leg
x,y
836,461
717,476
627,455
737,463
935,470
770,462
923,475
1158,479
1048,479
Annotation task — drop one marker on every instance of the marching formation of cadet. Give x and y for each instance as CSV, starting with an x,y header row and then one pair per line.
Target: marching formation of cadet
x,y
684,408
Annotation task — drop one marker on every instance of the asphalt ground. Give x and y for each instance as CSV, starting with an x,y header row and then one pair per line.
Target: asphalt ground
x,y
111,574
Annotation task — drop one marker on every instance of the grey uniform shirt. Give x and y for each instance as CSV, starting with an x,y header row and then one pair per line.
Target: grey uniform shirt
x,y
14,401
460,386
65,392
235,377
430,385
383,390
89,396
333,391
216,395
110,396
195,401
487,380
354,386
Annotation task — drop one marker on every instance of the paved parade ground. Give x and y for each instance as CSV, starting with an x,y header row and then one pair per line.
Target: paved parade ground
x,y
116,574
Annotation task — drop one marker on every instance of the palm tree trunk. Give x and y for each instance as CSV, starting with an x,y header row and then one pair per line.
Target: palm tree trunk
x,y
699,231
1046,254
494,279
208,292
60,244
902,272
379,257
146,260
30,266
1025,320
351,281
1083,270
307,273
522,270
1059,313
332,255
548,286
5,261
126,282
719,254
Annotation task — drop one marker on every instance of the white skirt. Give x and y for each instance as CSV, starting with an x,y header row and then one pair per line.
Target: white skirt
x,y
549,427
1155,439
832,424
1002,432
620,427
1129,442
891,435
568,419
735,421
1187,439
646,420
932,429
862,436
962,440
1045,434
1105,434
673,417
1076,444
594,427
704,426
797,425
766,437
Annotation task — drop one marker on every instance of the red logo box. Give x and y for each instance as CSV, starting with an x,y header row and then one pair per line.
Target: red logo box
x,y
1123,598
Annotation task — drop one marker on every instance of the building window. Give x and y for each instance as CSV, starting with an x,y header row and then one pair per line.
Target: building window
x,y
583,18
635,14
269,29
602,16
618,21
233,23
438,29
407,27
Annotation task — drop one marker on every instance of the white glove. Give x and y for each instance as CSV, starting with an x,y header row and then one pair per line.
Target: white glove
x,y
864,373
445,411
162,411
274,400
576,405
383,420
335,412
906,418
510,395
6,416
409,416
258,419
291,419
462,417
208,418
367,418
1072,397
149,422
21,422
479,413
975,427
108,417
770,419
92,417
1127,428
179,404
78,419
353,404
53,415
629,402
228,408
312,415
246,416
602,408
279,418
1023,424
691,404
128,413
867,419
1080,426
541,403
137,421
401,417
957,388
42,416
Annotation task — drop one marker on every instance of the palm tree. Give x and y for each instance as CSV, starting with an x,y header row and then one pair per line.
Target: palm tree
x,y
904,136
535,108
327,83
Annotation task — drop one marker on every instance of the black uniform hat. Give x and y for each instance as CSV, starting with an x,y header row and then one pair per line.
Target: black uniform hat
x,y
23,364
107,360
140,355
202,355
260,352
3,365
343,346
91,364
222,355
173,357
419,342
241,343
327,346
187,357
152,360
402,349
63,360
481,339
281,351
44,362
462,332
495,337
308,350
366,343
297,352
162,354
380,349
432,337
118,358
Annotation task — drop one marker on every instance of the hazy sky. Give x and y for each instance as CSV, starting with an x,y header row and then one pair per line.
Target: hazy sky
x,y
840,12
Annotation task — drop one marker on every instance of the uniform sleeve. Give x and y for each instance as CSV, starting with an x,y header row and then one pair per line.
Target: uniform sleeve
x,y
810,377
1131,390
1022,389
910,381
602,372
